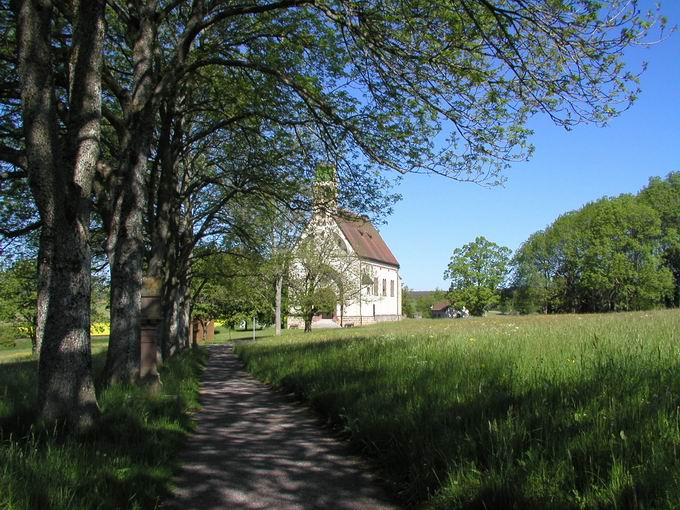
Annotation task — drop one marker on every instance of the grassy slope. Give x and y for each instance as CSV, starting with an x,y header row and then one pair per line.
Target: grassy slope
x,y
504,412
125,463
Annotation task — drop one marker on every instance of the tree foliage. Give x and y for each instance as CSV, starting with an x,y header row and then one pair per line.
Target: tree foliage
x,y
604,257
477,271
663,195
408,302
323,273
229,287
18,297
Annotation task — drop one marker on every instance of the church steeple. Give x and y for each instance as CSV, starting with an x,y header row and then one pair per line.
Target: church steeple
x,y
326,188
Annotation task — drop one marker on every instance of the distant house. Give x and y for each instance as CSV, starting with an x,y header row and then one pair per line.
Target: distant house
x,y
377,295
443,310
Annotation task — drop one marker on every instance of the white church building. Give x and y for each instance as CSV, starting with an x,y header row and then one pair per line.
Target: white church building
x,y
377,294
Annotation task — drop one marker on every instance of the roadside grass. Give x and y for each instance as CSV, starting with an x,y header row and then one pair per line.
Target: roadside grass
x,y
125,462
22,349
560,412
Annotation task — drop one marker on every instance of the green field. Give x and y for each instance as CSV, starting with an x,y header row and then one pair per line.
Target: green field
x,y
577,411
22,350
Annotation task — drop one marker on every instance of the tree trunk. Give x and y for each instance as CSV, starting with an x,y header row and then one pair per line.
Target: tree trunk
x,y
43,297
277,315
65,387
171,318
164,235
308,321
61,173
123,355
185,310
166,207
126,258
126,228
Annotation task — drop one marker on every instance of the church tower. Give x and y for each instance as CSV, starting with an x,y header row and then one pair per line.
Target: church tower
x,y
326,189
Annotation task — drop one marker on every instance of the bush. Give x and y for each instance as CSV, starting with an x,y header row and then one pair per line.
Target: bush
x,y
8,336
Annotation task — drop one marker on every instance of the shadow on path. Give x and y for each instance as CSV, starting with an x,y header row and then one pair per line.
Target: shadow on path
x,y
252,449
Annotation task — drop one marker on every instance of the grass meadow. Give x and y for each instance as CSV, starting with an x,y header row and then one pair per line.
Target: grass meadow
x,y
125,462
559,412
22,349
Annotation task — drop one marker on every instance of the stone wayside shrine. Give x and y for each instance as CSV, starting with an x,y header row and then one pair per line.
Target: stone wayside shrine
x,y
152,315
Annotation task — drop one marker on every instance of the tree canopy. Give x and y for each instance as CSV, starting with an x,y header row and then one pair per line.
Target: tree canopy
x,y
477,272
611,255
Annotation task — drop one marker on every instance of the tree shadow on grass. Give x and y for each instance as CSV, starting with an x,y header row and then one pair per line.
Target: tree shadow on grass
x,y
18,396
126,460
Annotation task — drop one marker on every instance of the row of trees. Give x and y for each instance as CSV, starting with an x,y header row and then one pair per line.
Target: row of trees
x,y
135,133
613,254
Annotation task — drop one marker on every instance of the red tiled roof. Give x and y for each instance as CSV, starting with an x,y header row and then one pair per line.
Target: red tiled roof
x,y
365,239
440,306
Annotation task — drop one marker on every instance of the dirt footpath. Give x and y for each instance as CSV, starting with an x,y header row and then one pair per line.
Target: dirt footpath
x,y
254,449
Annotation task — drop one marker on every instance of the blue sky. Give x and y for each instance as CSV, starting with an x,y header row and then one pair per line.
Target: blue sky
x,y
568,170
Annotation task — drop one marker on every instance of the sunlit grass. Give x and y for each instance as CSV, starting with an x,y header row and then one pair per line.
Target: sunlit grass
x,y
125,462
224,334
22,349
501,412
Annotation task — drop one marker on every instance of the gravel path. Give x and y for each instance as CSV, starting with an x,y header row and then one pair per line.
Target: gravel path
x,y
254,449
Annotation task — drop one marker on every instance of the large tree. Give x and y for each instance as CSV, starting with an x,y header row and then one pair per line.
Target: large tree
x,y
61,131
664,196
477,271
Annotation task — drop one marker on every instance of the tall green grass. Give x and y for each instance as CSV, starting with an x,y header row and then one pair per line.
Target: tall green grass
x,y
509,412
125,462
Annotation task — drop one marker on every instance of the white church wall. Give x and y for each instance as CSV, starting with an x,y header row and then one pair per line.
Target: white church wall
x,y
372,307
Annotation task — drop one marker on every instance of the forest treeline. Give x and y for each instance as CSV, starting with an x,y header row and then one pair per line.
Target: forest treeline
x,y
614,254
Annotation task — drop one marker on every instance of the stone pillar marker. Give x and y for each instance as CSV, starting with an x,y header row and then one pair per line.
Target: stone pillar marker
x,y
151,317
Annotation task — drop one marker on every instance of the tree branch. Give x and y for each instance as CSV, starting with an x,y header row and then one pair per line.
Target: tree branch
x,y
10,234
